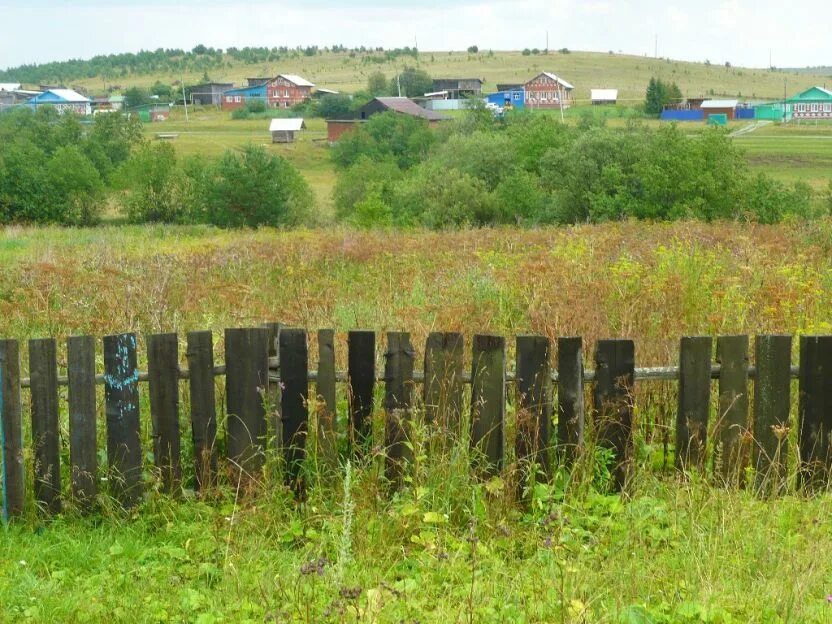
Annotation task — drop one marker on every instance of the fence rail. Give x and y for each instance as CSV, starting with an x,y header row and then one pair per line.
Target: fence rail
x,y
268,376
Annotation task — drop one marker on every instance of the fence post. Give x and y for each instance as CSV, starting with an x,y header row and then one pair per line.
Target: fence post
x,y
12,429
43,373
83,456
771,412
732,420
570,397
534,404
163,375
694,402
815,411
294,377
398,401
326,402
443,389
361,373
274,390
488,400
202,395
121,398
247,371
614,382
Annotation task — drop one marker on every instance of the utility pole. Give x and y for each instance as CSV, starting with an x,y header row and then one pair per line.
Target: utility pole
x,y
399,82
547,40
184,99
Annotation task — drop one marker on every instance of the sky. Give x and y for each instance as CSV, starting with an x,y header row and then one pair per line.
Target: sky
x,y
743,32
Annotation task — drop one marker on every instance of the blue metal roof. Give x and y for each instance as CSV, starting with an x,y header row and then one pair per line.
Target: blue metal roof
x,y
255,91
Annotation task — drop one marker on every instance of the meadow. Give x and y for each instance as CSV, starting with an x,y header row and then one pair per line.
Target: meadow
x,y
447,547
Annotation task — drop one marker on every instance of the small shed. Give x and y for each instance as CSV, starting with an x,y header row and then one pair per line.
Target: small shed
x,y
720,107
600,97
283,130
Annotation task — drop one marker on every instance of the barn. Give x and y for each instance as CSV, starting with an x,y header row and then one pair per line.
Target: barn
x,y
719,107
601,97
287,90
237,98
210,93
401,105
283,130
546,90
64,100
458,88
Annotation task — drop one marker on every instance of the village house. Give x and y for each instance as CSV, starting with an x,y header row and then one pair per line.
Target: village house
x,y
814,103
287,90
546,90
237,98
210,93
64,100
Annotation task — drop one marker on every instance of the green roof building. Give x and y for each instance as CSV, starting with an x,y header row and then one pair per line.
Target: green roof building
x,y
814,103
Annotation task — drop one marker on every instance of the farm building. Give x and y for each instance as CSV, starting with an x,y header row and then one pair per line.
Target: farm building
x,y
719,107
286,90
509,86
600,97
10,86
401,105
256,82
210,93
283,130
459,88
14,97
150,113
814,103
513,98
64,100
237,98
546,90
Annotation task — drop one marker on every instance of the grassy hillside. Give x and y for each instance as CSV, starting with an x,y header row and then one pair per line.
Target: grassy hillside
x,y
585,70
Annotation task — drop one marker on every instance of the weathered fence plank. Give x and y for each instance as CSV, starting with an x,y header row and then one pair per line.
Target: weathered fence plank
x,y
327,440
613,411
732,420
12,430
294,377
815,411
488,400
202,394
163,377
83,417
695,354
443,389
274,390
121,398
771,412
534,403
570,397
398,401
361,372
43,372
247,370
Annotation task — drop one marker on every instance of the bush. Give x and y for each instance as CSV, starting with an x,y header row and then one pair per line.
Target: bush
x,y
364,178
254,188
404,138
158,188
332,106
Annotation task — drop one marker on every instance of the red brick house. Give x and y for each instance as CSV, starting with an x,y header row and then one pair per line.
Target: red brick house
x,y
286,90
547,90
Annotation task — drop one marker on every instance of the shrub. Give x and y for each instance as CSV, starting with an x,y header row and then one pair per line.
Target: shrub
x,y
404,138
362,179
158,188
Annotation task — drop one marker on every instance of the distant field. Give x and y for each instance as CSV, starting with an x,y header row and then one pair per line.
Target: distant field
x,y
586,70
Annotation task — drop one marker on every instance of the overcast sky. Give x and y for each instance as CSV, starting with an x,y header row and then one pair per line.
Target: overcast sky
x,y
739,31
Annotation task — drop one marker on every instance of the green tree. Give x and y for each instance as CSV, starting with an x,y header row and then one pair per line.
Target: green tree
x,y
377,84
158,189
405,139
331,106
165,92
255,188
75,188
135,97
413,82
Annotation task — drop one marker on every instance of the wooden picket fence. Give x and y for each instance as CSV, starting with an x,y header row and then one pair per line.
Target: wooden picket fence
x,y
258,361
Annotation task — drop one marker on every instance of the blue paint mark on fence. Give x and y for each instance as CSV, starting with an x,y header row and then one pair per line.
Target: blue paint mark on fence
x,y
125,375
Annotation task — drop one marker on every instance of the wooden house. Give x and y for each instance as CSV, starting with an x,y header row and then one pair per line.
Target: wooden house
x,y
210,93
237,98
458,88
287,90
546,90
401,105
64,100
283,130
814,103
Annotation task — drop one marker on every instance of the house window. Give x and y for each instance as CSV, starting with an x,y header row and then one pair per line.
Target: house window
x,y
516,96
238,98
827,108
286,93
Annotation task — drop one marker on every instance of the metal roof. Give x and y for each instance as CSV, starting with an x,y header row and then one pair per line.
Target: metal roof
x,y
68,95
327,91
409,107
286,125
557,79
301,82
9,86
604,94
719,104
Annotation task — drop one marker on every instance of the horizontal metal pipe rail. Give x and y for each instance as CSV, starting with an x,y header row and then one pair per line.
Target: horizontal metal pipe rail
x,y
662,373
